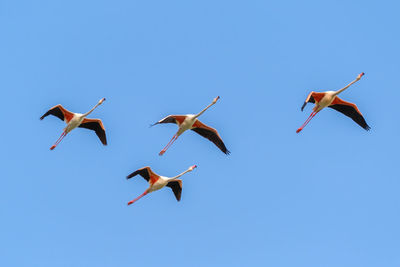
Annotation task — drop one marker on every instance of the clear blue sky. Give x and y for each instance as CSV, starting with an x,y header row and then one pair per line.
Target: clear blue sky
x,y
327,197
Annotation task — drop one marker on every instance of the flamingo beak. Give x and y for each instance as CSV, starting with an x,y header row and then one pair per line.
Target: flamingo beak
x,y
216,99
102,100
360,75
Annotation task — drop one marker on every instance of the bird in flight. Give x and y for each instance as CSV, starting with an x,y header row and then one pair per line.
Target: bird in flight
x,y
74,120
331,100
190,122
156,182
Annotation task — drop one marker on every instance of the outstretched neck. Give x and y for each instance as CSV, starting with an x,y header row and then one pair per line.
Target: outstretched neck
x,y
347,86
201,112
179,175
90,111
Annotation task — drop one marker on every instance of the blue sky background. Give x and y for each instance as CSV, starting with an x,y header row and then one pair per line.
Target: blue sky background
x,y
326,197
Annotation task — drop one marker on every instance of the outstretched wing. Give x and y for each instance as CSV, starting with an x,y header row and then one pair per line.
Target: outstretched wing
x,y
211,134
97,126
177,119
60,112
312,98
350,110
145,172
176,187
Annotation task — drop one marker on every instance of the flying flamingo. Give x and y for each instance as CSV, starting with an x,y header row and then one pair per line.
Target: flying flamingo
x,y
74,120
190,122
156,182
330,99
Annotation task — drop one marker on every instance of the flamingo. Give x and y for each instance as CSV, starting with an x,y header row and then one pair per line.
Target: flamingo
x,y
331,100
156,182
190,122
74,120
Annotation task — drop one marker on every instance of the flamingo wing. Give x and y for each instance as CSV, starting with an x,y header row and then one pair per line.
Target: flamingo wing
x,y
350,110
177,119
97,126
211,134
176,187
145,172
312,98
309,99
60,112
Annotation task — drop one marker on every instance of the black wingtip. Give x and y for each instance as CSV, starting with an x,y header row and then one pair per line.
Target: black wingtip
x,y
303,106
227,152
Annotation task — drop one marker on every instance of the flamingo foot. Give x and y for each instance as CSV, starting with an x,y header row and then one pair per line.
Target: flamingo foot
x,y
54,146
299,130
161,152
130,202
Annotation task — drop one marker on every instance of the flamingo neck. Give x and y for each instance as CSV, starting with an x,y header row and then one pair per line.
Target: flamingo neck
x,y
90,111
201,112
347,86
179,175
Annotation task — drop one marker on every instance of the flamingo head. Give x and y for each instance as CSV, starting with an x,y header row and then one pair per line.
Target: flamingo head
x,y
102,100
192,167
216,99
360,75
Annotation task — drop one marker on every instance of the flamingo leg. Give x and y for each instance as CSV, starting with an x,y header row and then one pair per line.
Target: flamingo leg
x,y
168,145
139,197
307,121
58,140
